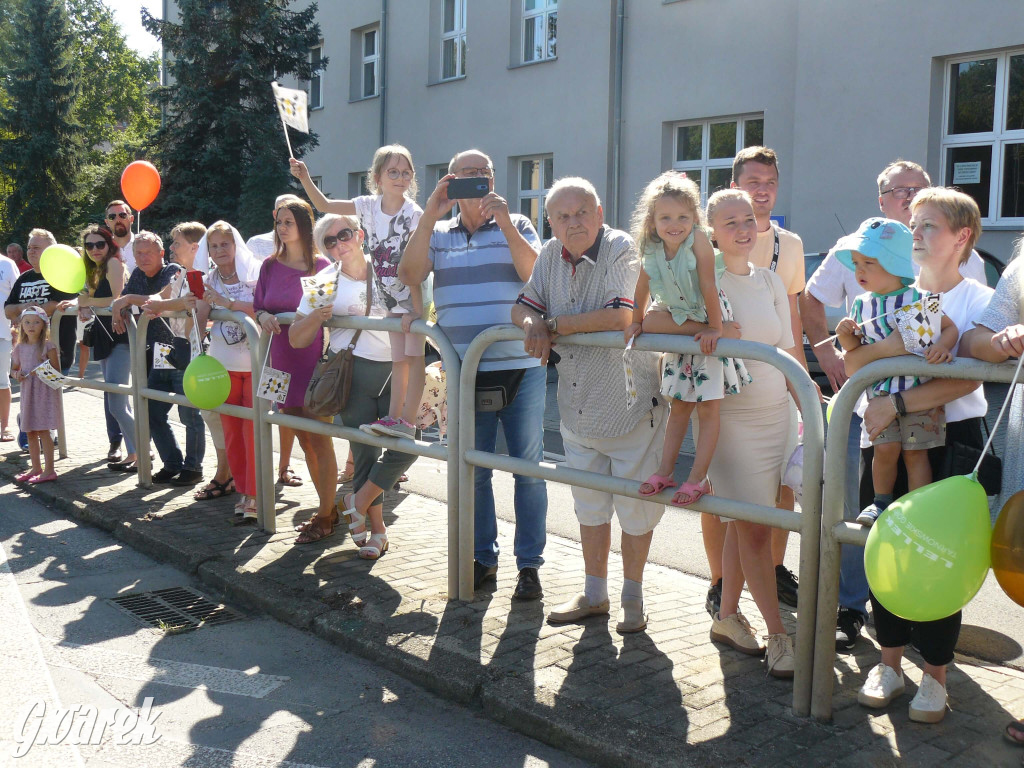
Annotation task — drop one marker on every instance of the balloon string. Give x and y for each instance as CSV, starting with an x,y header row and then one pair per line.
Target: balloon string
x,y
266,359
999,418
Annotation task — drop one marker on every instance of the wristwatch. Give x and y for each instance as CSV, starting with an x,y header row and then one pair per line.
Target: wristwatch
x,y
552,324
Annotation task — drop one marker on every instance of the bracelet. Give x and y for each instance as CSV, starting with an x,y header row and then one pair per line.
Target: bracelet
x,y
897,402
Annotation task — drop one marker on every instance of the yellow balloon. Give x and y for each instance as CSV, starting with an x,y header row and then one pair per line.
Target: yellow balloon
x,y
1008,548
63,268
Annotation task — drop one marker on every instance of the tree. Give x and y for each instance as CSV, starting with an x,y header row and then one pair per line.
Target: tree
x,y
220,151
40,140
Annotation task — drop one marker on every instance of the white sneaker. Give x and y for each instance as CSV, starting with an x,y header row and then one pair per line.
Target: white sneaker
x,y
929,704
780,659
883,684
736,632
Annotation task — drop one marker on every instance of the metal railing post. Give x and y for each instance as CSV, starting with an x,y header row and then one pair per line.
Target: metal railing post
x,y
62,437
264,437
140,379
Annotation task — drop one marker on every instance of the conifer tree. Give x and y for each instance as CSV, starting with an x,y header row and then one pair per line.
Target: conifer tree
x,y
40,140
220,150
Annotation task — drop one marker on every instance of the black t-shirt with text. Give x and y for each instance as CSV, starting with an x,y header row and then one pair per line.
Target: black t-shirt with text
x,y
31,288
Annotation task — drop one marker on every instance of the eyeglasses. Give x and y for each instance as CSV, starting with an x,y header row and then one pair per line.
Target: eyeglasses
x,y
903,193
469,173
394,174
342,237
95,245
119,215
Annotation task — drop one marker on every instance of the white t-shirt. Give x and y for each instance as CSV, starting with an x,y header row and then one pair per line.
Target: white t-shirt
x,y
964,305
386,238
8,276
128,254
350,299
228,342
261,246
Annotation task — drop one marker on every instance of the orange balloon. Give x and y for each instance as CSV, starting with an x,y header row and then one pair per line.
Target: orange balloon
x,y
140,183
1008,548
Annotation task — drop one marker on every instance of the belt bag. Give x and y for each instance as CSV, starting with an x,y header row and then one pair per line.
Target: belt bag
x,y
331,383
497,389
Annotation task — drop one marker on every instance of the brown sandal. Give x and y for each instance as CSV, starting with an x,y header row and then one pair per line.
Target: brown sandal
x,y
289,478
314,533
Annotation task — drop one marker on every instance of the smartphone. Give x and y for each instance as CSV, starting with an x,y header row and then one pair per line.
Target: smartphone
x,y
465,189
195,282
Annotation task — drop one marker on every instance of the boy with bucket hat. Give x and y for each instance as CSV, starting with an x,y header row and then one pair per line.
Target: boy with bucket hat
x,y
879,253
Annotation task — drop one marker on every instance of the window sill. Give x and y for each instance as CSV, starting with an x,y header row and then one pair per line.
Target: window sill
x,y
316,109
364,98
446,81
532,63
1002,226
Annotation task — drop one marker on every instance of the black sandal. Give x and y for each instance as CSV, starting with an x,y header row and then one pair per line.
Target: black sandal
x,y
215,490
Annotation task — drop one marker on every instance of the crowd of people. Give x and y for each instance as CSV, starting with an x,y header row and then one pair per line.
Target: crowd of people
x,y
720,271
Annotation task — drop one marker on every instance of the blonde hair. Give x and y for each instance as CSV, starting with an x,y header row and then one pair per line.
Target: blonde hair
x,y
669,184
958,209
725,196
192,231
219,226
327,221
381,158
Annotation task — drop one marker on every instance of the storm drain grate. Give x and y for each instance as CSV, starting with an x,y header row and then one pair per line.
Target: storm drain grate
x,y
175,609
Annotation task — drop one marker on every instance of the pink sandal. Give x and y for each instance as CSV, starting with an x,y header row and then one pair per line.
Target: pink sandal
x,y
25,476
659,483
43,478
690,493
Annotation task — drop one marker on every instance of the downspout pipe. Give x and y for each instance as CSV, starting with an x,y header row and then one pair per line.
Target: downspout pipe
x,y
383,72
620,24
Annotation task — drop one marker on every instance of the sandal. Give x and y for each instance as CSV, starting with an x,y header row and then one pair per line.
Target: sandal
x,y
289,478
690,493
375,547
355,519
6,436
214,490
48,478
240,507
658,483
1014,733
26,476
314,533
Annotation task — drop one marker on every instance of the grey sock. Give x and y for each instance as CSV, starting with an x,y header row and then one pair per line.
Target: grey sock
x,y
596,589
632,590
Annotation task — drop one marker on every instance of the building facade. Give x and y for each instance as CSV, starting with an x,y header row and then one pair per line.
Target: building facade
x,y
619,90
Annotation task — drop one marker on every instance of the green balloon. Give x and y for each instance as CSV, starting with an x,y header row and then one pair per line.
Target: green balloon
x,y
206,382
63,268
928,553
828,411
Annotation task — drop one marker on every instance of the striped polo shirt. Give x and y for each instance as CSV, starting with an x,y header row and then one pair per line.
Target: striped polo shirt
x,y
476,285
873,312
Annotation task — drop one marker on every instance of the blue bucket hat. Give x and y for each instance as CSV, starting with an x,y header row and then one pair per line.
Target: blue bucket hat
x,y
888,242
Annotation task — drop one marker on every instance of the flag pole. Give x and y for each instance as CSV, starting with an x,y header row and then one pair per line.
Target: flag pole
x,y
284,125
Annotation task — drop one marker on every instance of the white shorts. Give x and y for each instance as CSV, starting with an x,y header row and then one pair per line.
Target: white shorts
x,y
5,363
635,455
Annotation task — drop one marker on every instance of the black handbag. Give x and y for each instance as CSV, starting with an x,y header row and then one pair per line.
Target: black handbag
x,y
497,389
89,334
181,353
962,458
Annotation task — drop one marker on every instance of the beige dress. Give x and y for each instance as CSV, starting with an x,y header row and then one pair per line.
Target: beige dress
x,y
747,465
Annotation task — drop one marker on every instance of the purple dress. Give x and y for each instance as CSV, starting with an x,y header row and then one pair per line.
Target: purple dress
x,y
40,405
279,290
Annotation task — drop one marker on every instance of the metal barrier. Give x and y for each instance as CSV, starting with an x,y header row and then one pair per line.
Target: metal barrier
x,y
807,523
835,530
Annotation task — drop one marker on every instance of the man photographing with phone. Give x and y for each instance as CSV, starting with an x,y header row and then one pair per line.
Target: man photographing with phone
x,y
481,259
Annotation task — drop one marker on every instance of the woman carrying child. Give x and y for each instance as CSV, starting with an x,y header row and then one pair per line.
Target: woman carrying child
x,y
679,273
40,405
388,216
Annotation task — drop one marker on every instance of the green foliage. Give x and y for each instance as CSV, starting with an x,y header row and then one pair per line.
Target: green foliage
x,y
40,139
220,153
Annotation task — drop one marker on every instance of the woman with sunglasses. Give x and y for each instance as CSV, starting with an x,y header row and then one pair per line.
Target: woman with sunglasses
x,y
341,239
104,280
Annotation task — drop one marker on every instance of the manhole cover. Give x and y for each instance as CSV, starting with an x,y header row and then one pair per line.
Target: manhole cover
x,y
175,609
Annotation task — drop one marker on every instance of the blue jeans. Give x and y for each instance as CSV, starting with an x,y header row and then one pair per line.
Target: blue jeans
x,y
116,368
523,424
853,583
160,427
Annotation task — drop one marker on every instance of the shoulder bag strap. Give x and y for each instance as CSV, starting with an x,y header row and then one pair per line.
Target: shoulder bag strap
x,y
369,299
775,250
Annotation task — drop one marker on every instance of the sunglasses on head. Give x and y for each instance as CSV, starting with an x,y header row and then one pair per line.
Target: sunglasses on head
x,y
118,215
342,237
95,245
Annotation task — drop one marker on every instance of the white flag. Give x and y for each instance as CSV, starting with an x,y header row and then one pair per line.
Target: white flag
x,y
292,106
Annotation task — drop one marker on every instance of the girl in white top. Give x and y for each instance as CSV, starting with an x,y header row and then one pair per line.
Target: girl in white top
x,y
388,217
230,284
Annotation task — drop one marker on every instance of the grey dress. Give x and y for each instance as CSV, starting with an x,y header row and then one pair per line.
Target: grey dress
x,y
1005,309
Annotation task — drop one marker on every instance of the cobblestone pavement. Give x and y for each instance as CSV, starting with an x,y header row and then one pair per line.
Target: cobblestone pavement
x,y
667,697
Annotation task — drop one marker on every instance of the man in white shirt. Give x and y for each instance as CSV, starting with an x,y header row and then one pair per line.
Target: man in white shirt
x,y
119,219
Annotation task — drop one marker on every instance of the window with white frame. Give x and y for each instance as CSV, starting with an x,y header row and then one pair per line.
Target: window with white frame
x,y
316,83
318,182
436,172
535,175
453,39
983,133
357,184
370,62
540,30
704,149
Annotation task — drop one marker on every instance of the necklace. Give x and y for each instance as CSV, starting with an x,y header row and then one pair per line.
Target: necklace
x,y
227,277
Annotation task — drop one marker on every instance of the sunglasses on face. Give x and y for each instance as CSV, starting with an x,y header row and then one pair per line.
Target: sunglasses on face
x,y
95,245
342,237
119,215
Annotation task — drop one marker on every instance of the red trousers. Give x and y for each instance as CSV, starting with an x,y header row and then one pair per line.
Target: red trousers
x,y
238,435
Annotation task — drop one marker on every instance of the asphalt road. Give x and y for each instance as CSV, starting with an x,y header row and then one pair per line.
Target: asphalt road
x,y
249,693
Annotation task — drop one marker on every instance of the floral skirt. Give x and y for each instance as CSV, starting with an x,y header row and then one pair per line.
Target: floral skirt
x,y
695,378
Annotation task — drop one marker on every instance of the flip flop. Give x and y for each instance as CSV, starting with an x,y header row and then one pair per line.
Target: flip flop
x,y
659,483
690,493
